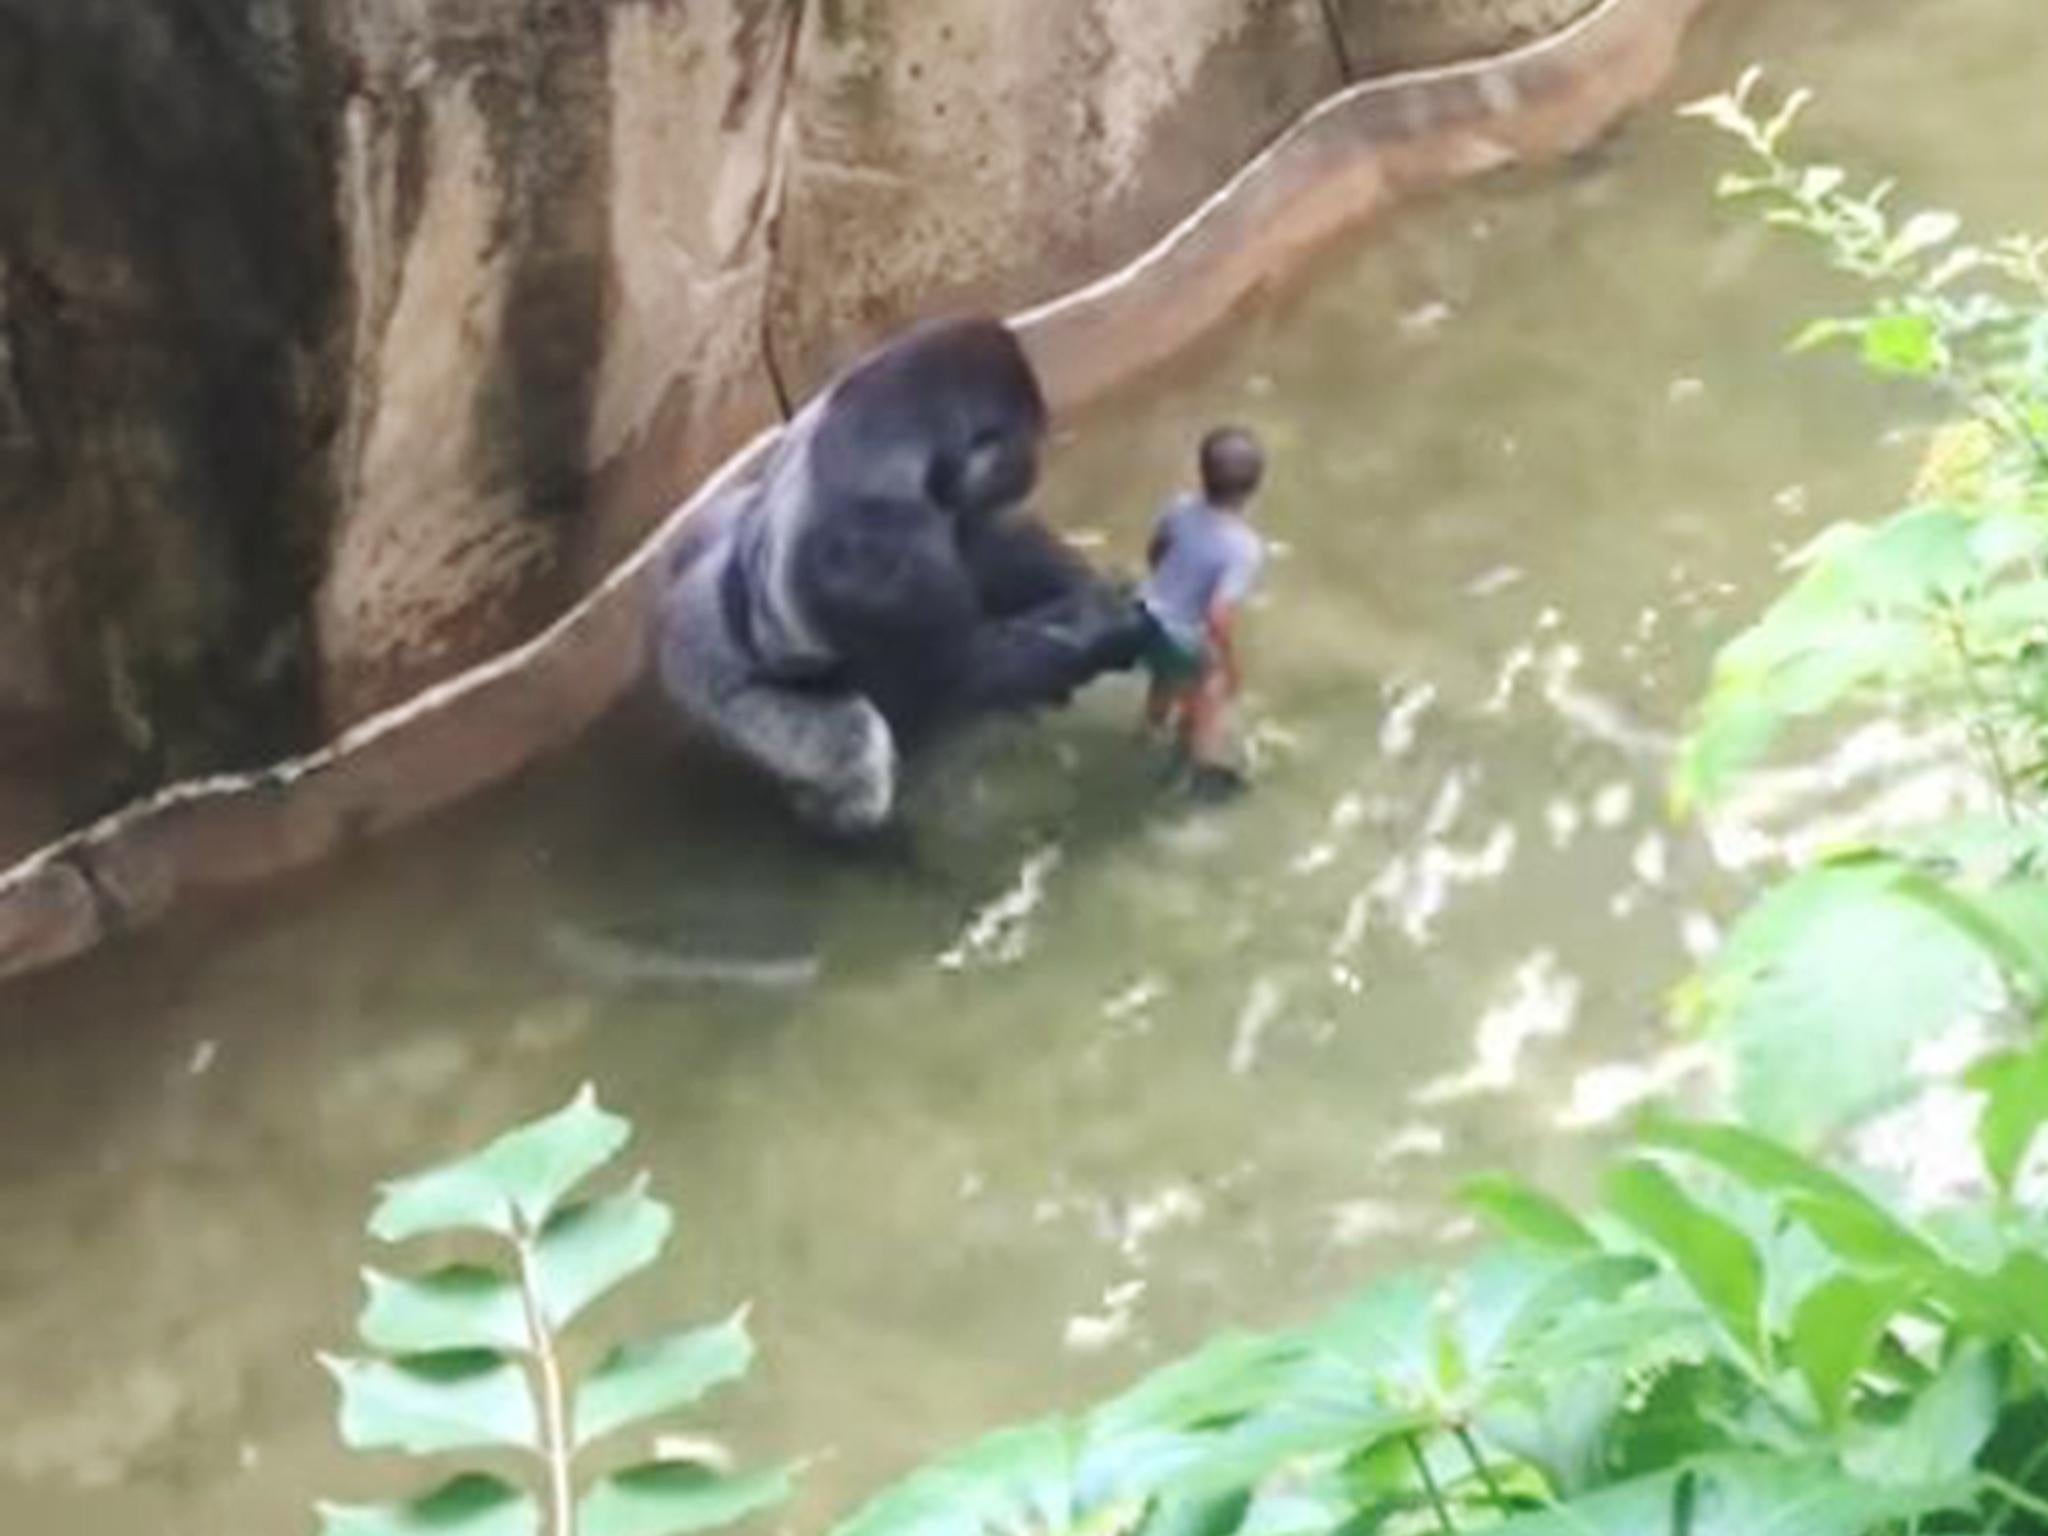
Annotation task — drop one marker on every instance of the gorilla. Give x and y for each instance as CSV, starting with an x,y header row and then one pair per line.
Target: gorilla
x,y
880,579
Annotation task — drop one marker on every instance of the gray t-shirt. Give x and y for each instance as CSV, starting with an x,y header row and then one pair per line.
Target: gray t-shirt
x,y
1209,556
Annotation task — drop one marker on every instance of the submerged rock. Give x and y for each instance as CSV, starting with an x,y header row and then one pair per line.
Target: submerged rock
x,y
619,959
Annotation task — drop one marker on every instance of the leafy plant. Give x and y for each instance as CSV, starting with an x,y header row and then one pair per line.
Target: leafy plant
x,y
469,1356
1937,615
1943,604
1738,1341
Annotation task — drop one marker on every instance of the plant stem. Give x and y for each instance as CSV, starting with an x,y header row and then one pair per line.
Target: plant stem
x,y
1684,1493
2016,1496
1983,727
1493,1488
1436,1495
554,1416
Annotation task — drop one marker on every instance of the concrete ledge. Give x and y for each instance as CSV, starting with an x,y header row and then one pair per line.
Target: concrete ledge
x,y
1348,159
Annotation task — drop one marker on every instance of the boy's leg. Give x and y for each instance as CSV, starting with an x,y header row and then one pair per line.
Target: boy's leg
x,y
1173,672
1187,706
1159,697
1212,776
1206,719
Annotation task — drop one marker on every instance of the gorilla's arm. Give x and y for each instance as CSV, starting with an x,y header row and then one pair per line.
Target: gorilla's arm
x,y
1037,659
1052,622
1018,564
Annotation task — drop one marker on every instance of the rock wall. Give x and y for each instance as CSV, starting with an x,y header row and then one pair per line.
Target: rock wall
x,y
343,342
170,302
949,155
1382,36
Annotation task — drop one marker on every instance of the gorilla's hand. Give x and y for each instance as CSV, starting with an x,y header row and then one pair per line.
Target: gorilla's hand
x,y
1116,635
1038,659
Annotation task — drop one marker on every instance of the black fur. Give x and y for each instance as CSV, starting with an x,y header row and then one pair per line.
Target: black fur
x,y
883,561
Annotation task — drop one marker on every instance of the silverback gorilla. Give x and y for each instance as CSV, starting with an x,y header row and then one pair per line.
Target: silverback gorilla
x,y
879,578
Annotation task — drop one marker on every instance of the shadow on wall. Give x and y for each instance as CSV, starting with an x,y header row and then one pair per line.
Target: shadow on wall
x,y
169,303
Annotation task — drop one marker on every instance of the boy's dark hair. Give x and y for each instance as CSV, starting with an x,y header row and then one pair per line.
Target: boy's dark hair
x,y
1233,464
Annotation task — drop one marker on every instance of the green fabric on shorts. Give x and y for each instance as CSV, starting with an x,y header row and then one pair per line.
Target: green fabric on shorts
x,y
1172,662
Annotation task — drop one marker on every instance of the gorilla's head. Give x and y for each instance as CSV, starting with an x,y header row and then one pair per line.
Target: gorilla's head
x,y
950,415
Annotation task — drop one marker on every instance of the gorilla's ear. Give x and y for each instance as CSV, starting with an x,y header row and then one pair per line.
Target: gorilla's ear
x,y
998,470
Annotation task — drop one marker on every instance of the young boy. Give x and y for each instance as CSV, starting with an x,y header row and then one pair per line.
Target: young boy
x,y
1204,560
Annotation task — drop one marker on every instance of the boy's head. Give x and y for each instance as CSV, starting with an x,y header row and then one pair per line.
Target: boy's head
x,y
1233,463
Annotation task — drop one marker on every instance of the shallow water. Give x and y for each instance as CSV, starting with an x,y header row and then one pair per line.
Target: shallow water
x,y
989,1124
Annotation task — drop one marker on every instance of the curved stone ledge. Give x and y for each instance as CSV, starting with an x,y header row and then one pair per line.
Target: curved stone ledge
x,y
1343,162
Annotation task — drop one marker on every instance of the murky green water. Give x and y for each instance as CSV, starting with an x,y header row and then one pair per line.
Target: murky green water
x,y
987,1129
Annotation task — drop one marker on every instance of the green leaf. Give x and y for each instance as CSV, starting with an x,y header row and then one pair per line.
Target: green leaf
x,y
464,1306
1741,1495
1903,342
2015,1089
1818,1033
1554,1396
1723,111
1793,665
2012,1301
1788,112
2002,623
1851,1223
1226,1378
524,1174
1019,1479
1644,1335
1524,1212
1942,1432
671,1498
1559,1423
587,1249
1922,233
1380,1365
455,1401
2005,1298
638,1381
1871,612
1821,332
1819,181
1193,1424
1175,1516
2008,923
1717,1260
1503,1303
1332,1406
1690,1410
1391,1331
1732,730
470,1505
1835,1333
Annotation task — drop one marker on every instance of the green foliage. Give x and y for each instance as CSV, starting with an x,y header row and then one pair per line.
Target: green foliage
x,y
1741,1341
1824,987
2015,1089
469,1358
1935,615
